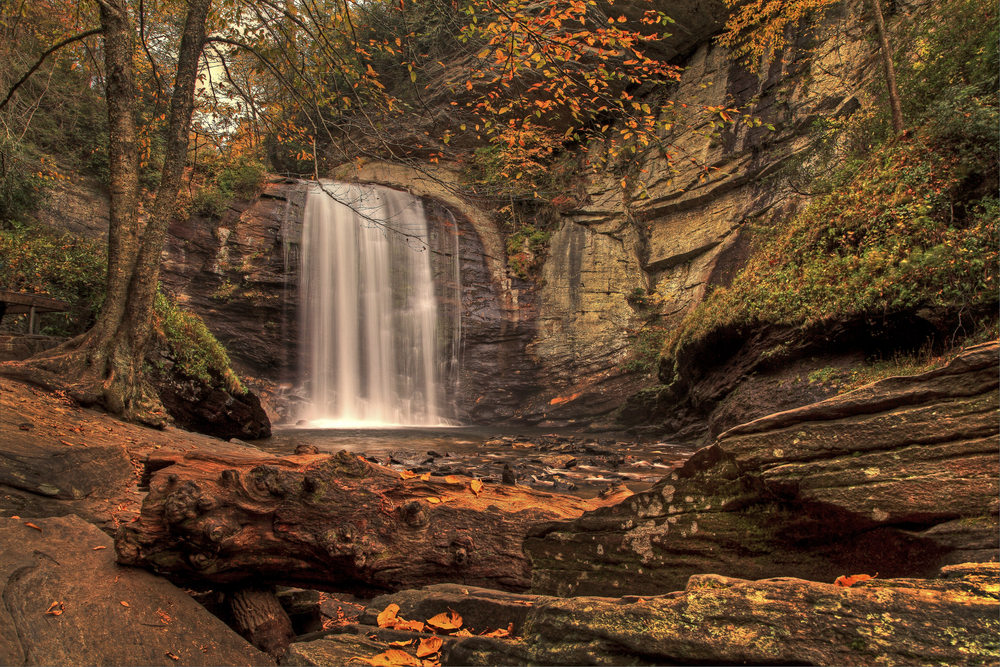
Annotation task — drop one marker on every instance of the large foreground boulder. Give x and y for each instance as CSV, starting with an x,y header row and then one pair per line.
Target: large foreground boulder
x,y
66,602
714,620
899,477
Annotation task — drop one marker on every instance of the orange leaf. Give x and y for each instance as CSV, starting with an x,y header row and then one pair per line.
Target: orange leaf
x,y
429,646
463,633
433,501
446,622
412,626
123,603
387,618
476,486
98,548
407,474
55,609
402,643
451,479
500,632
425,477
853,579
31,525
391,658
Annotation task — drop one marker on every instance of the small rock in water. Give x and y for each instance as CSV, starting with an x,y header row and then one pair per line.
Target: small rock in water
x,y
561,461
508,476
307,449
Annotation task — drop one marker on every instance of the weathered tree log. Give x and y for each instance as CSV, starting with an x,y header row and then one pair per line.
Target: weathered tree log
x,y
332,522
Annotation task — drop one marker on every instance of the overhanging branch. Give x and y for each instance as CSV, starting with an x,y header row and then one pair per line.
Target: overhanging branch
x,y
45,55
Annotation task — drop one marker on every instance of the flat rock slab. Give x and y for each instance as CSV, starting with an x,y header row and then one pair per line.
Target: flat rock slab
x,y
57,458
715,620
66,602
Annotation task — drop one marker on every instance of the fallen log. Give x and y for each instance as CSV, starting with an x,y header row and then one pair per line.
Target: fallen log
x,y
333,522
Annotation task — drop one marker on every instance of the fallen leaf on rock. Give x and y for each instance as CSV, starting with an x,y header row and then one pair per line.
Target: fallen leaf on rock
x,y
500,632
433,501
446,622
476,486
68,444
387,618
55,609
407,474
98,548
31,525
429,646
451,479
431,663
412,626
15,517
391,658
463,633
402,643
123,603
853,579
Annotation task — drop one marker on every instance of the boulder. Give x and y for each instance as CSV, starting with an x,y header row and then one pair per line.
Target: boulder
x,y
199,407
714,620
66,602
899,477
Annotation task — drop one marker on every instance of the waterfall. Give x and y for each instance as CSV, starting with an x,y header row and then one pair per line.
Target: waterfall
x,y
370,314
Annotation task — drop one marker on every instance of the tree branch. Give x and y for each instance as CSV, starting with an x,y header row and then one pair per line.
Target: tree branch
x,y
45,55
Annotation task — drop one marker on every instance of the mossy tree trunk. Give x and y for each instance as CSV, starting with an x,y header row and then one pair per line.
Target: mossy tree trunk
x,y
105,365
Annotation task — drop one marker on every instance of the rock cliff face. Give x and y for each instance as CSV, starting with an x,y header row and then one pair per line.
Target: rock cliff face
x,y
899,478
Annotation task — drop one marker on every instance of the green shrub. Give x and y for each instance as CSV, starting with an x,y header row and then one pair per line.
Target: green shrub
x,y
210,202
22,187
647,344
524,248
33,260
242,180
198,353
224,183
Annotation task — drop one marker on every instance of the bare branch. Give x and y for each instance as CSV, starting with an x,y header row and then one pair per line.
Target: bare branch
x,y
45,55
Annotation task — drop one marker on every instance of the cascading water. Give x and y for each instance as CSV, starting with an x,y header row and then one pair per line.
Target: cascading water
x,y
370,316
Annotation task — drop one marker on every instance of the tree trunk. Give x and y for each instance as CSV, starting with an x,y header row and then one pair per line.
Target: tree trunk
x,y
332,522
890,71
261,619
104,365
